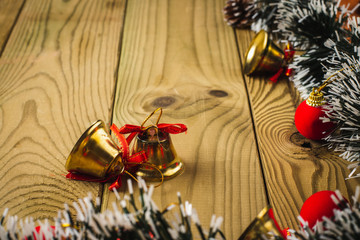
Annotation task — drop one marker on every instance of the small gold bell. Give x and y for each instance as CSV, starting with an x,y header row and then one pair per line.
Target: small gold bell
x,y
262,225
263,55
95,153
161,153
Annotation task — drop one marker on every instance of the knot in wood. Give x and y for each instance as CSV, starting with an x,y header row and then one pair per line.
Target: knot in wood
x,y
163,101
218,93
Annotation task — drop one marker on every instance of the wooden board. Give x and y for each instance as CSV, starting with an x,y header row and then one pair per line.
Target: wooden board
x,y
181,56
294,167
57,77
9,11
59,63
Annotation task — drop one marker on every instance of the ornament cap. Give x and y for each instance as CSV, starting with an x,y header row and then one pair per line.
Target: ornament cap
x,y
315,99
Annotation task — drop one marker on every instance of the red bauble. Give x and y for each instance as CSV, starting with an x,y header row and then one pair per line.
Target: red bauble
x,y
308,122
318,205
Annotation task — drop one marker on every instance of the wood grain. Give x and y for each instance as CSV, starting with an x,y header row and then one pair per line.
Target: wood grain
x,y
57,77
181,56
9,11
294,167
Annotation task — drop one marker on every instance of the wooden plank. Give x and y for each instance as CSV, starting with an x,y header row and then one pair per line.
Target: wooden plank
x,y
9,10
294,167
181,56
57,77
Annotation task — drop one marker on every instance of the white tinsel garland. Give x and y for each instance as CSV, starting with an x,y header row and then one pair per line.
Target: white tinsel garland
x,y
145,223
308,23
309,70
264,17
148,222
344,107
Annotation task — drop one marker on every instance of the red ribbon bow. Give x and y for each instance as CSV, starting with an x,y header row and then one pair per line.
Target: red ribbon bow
x,y
128,161
163,127
289,53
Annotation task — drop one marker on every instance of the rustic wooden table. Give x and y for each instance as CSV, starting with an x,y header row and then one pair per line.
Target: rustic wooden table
x,y
65,64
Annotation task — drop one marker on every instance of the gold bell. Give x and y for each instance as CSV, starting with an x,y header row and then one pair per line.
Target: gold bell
x,y
263,55
160,152
262,225
95,153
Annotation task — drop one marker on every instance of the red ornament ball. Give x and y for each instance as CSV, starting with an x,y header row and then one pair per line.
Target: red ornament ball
x,y
309,124
318,205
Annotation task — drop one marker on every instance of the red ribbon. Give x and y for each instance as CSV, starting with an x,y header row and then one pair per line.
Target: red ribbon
x,y
163,127
128,161
283,232
289,53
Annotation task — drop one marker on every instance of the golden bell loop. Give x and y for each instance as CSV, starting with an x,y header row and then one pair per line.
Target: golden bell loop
x,y
261,226
263,55
161,153
95,153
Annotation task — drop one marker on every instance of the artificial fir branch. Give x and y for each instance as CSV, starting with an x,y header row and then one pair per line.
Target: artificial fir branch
x,y
312,67
91,224
309,23
145,223
344,107
265,13
312,25
309,70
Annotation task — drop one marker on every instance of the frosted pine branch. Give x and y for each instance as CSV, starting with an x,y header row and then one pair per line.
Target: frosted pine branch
x,y
318,28
264,19
344,107
309,23
143,223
